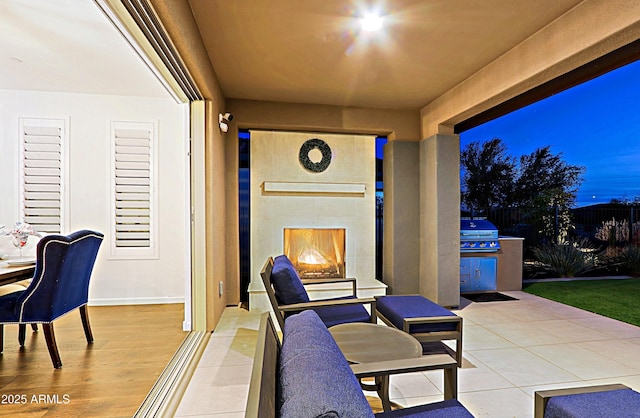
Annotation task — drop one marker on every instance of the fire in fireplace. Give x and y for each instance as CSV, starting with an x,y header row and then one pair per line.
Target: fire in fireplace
x,y
316,252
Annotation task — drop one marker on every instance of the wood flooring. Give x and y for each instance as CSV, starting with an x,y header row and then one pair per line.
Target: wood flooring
x,y
109,378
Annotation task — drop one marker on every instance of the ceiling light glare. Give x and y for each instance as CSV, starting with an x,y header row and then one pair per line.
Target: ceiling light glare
x,y
371,22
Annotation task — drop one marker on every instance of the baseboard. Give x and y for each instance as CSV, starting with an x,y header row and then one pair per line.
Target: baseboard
x,y
134,301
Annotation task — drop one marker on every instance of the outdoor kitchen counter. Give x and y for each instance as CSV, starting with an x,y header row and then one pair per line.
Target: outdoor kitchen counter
x,y
509,256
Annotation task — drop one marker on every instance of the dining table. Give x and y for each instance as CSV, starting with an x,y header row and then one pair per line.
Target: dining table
x,y
15,273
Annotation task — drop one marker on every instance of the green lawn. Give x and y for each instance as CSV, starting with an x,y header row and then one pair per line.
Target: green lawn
x,y
619,299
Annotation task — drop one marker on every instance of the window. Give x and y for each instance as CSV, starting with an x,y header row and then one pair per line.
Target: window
x,y
134,190
42,156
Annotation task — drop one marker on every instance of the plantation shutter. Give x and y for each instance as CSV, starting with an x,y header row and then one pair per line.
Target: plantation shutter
x,y
42,173
133,187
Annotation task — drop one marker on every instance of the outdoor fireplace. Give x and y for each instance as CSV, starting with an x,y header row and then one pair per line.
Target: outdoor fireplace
x,y
316,252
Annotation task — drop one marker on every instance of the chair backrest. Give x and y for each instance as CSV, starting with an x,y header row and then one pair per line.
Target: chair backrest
x,y
265,273
286,282
263,390
61,280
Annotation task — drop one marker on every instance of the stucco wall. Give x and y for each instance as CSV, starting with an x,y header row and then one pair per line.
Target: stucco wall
x,y
220,230
274,159
402,253
440,219
398,125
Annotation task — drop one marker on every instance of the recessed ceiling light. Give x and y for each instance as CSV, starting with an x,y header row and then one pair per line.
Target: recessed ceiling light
x,y
371,22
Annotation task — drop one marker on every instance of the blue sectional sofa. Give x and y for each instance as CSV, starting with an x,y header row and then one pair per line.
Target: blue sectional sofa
x,y
601,401
307,376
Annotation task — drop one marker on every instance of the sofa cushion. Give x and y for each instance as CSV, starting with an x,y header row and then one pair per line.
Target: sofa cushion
x,y
614,403
342,314
397,307
315,378
286,282
446,409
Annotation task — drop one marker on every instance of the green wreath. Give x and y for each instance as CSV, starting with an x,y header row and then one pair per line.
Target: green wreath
x,y
324,149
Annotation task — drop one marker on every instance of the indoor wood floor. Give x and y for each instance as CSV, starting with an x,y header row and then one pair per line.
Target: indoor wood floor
x,y
109,378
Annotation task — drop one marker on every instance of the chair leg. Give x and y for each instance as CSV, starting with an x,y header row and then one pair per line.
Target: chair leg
x,y
84,314
51,345
22,333
34,327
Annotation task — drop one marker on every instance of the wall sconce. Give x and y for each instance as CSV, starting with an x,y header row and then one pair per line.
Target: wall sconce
x,y
223,121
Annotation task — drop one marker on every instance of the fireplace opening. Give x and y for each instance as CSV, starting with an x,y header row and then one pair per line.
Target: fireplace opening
x,y
316,252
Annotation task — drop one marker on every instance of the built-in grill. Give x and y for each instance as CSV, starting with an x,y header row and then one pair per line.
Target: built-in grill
x,y
478,273
478,235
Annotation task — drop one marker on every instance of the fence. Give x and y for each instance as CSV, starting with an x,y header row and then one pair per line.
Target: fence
x,y
601,224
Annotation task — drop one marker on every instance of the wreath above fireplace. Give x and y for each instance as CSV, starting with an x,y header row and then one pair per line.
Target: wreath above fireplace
x,y
309,146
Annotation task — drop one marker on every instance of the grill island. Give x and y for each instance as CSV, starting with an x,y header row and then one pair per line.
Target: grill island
x,y
488,262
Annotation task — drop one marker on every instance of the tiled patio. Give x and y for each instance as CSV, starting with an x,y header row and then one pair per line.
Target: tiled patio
x,y
511,349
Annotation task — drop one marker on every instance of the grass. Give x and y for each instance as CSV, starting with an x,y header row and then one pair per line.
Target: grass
x,y
618,299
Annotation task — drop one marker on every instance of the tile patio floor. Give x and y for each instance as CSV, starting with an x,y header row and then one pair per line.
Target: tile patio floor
x,y
511,349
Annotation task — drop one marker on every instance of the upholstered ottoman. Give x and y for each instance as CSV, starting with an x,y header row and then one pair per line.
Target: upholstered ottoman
x,y
428,322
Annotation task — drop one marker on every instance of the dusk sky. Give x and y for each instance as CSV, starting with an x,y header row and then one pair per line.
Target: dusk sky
x,y
595,125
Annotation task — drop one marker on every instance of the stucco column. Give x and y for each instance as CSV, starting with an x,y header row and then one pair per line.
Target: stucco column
x,y
440,219
401,249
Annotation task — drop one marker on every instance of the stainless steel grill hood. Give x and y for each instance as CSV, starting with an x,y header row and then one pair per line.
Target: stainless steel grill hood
x,y
478,235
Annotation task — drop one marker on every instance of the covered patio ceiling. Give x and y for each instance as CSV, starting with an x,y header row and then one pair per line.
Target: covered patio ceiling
x,y
315,51
288,51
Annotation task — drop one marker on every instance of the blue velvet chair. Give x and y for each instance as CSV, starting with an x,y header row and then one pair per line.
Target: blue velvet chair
x,y
60,285
288,296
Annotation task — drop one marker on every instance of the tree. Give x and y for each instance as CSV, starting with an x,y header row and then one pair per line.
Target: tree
x,y
626,201
492,178
546,174
536,182
487,176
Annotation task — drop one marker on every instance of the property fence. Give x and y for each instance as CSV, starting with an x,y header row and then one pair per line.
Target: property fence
x,y
601,224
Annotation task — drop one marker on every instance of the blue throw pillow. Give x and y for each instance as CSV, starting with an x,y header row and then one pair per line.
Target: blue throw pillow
x,y
286,282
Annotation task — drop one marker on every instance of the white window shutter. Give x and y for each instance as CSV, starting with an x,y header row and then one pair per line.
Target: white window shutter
x,y
133,190
42,173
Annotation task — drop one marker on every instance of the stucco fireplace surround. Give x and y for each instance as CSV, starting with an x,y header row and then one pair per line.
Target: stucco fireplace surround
x,y
304,180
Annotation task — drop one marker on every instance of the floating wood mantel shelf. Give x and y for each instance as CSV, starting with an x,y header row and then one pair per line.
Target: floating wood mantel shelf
x,y
307,188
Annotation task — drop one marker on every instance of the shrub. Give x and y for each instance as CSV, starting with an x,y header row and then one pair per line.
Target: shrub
x,y
565,259
630,260
613,231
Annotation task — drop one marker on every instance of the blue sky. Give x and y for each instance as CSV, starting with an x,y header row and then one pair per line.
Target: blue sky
x,y
596,125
